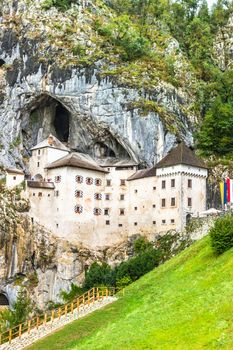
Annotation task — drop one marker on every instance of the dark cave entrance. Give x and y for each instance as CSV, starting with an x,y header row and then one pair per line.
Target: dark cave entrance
x,y
101,150
2,62
4,302
62,123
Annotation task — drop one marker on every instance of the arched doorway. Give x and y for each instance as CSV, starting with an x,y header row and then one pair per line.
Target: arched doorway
x,y
188,218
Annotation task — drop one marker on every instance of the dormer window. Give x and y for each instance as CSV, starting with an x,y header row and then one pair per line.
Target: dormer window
x,y
98,182
89,180
58,178
79,179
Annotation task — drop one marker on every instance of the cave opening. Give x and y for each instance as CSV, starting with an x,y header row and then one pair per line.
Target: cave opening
x,y
2,62
4,302
101,150
62,123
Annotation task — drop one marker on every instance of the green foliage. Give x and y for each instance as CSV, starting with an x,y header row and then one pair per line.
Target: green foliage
x,y
79,50
74,292
141,245
99,274
123,282
222,234
19,313
62,5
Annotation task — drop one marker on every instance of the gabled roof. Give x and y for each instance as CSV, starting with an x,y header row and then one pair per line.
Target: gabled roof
x,y
76,160
51,142
14,171
140,174
115,162
41,184
181,154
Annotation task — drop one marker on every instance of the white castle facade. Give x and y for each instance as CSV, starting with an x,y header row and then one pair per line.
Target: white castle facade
x,y
101,202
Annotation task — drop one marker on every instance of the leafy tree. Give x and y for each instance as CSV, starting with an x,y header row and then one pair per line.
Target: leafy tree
x,y
74,292
99,274
222,234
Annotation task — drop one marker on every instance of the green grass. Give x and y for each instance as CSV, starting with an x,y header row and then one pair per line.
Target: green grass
x,y
187,303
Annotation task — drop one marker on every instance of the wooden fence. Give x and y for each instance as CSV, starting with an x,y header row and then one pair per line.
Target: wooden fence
x,y
86,299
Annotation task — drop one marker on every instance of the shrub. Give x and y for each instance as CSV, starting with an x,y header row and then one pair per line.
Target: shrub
x,y
141,245
99,274
123,282
222,234
74,292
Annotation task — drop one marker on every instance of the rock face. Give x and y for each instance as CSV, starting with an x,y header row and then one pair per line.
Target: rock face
x,y
223,46
99,109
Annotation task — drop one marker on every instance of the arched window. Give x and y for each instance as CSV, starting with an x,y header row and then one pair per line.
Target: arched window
x,y
97,211
58,178
78,194
78,209
98,196
98,182
89,181
79,179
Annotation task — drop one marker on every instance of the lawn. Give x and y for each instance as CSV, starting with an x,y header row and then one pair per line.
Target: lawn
x,y
185,304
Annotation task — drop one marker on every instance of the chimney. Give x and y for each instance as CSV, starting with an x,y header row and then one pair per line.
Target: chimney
x,y
50,140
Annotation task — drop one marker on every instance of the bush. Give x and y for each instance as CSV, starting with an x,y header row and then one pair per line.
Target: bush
x,y
74,292
222,234
62,5
99,274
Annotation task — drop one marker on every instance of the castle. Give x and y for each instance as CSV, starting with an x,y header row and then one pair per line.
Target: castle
x,y
102,201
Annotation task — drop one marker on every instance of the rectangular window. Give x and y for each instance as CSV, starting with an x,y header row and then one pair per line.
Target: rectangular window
x,y
172,221
163,222
40,194
164,184
163,202
154,188
122,197
14,177
189,202
122,211
108,182
57,225
38,164
135,191
173,182
33,194
107,196
135,208
122,182
56,193
135,224
173,202
189,183
107,222
120,225
48,194
106,211
154,206
38,151
154,222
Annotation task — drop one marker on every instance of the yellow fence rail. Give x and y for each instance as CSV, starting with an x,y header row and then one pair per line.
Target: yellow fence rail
x,y
86,299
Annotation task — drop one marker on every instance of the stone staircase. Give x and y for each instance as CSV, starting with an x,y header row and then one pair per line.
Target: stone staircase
x,y
32,335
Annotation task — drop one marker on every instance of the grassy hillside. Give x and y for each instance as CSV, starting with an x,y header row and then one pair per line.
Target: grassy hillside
x,y
184,304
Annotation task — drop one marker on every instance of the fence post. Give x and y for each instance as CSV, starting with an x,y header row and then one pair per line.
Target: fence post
x,y
72,307
106,292
59,313
10,335
45,318
78,304
37,322
88,295
20,330
83,299
93,295
65,310
52,316
29,326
